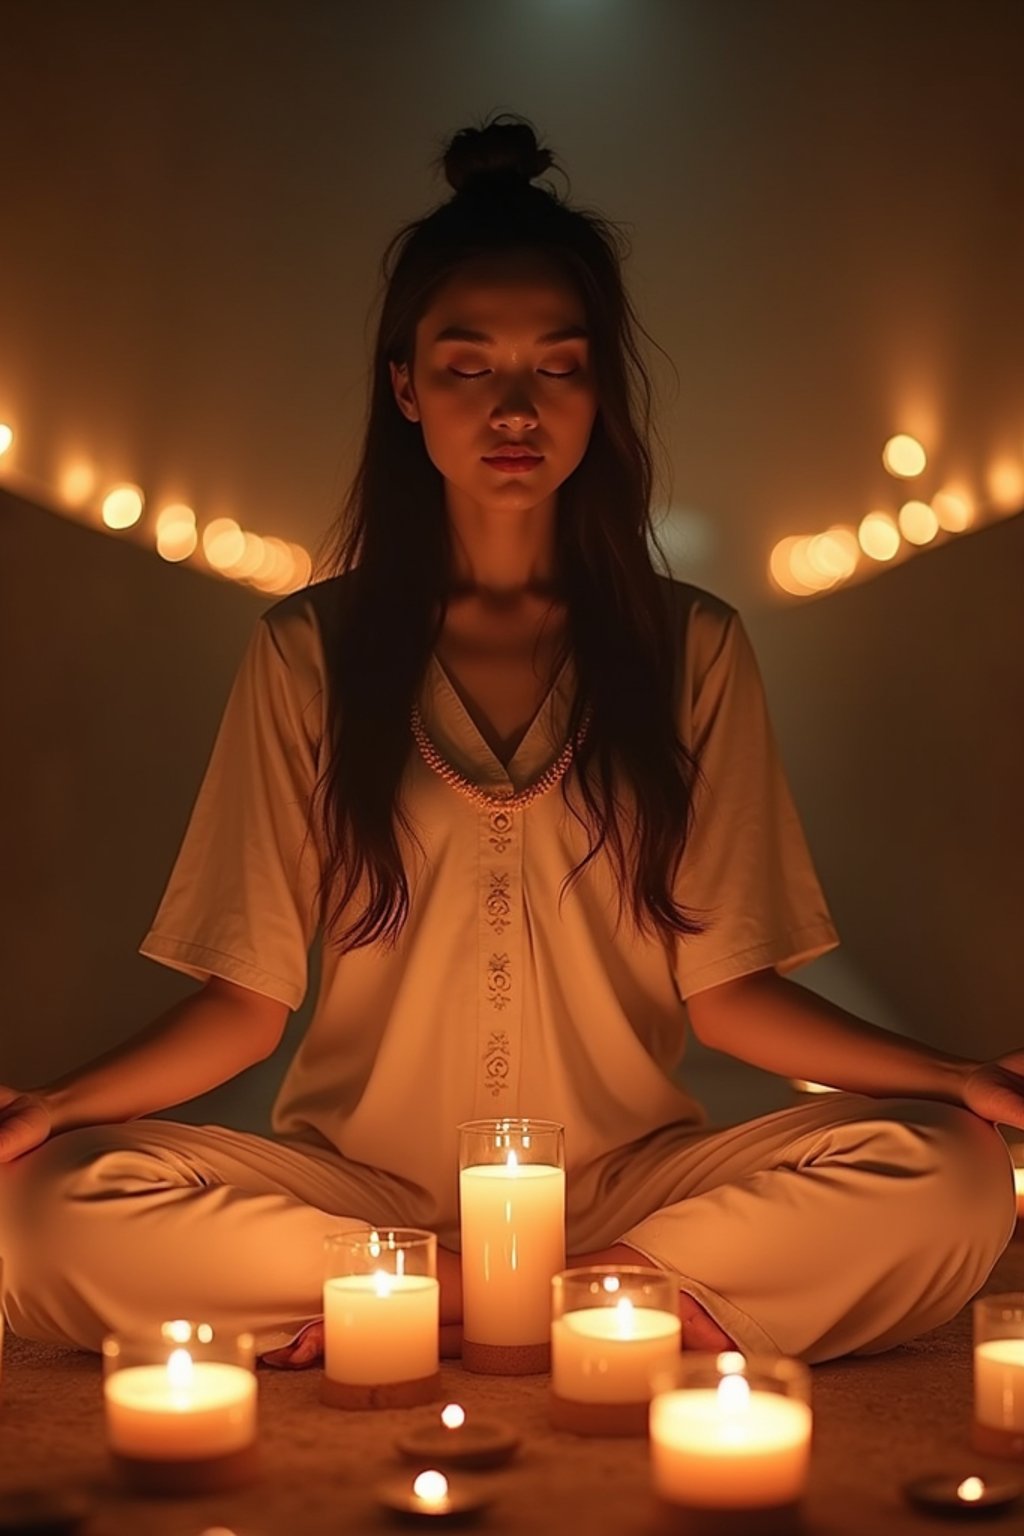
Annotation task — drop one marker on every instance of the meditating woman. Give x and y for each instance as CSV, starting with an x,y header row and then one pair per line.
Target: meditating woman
x,y
522,786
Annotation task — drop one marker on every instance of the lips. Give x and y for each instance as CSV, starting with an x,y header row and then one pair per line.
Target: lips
x,y
513,458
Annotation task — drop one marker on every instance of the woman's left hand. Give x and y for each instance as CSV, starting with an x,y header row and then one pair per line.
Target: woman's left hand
x,y
995,1090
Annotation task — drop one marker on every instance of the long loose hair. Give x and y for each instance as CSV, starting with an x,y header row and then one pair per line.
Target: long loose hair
x,y
393,541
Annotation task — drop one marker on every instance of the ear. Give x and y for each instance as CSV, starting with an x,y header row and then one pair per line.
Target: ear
x,y
401,383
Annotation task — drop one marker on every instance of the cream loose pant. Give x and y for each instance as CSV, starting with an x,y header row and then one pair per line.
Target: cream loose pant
x,y
845,1225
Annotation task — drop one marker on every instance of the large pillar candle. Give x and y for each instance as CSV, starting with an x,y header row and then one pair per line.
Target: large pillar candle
x,y
381,1318
512,1220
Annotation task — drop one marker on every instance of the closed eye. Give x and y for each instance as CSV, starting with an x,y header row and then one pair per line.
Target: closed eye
x,y
547,374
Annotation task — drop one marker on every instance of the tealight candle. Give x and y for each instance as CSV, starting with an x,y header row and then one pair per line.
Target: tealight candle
x,y
453,1440
612,1329
999,1374
181,1408
731,1433
432,1495
963,1496
512,1221
381,1318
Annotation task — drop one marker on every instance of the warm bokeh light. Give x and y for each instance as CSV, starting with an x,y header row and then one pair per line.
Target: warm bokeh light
x,y
904,456
834,554
1005,481
122,506
878,536
6,436
431,1487
971,1489
249,560
223,543
302,566
453,1416
780,567
179,1331
175,515
277,567
953,511
176,541
918,523
77,482
804,1085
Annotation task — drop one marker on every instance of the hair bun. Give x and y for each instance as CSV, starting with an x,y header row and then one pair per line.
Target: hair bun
x,y
498,153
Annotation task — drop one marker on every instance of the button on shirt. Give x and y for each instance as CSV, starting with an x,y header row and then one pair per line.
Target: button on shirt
x,y
498,998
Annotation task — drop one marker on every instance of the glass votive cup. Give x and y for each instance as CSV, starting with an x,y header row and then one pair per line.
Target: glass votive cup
x,y
512,1230
382,1313
1017,1158
181,1408
612,1329
999,1375
731,1441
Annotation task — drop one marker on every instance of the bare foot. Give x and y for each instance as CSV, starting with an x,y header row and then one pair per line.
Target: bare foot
x,y
308,1347
700,1331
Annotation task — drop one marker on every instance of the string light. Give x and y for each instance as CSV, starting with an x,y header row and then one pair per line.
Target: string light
x,y
878,536
903,456
917,522
122,506
6,436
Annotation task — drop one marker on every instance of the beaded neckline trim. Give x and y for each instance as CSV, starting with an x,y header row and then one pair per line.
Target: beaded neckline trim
x,y
509,800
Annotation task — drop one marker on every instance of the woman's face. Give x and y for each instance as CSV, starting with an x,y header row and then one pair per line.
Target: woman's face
x,y
521,389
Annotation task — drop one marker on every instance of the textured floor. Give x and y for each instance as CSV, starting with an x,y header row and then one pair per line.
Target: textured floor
x,y
877,1423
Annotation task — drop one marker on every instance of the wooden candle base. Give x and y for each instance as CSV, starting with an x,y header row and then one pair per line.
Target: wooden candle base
x,y
475,1445
599,1418
188,1479
506,1359
392,1394
689,1520
998,1442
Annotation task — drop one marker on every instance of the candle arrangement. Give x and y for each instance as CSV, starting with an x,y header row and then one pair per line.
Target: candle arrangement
x,y
181,1408
999,1375
512,1221
612,1330
381,1318
731,1439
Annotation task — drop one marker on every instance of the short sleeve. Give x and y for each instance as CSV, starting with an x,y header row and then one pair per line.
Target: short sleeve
x,y
746,871
241,898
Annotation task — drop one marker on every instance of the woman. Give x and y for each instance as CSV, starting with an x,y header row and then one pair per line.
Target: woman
x,y
526,789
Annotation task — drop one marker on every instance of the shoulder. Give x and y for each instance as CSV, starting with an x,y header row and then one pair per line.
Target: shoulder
x,y
703,625
304,624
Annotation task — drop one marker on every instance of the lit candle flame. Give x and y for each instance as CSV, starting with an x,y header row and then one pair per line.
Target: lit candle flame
x,y
970,1490
179,1376
383,1282
610,1282
453,1416
734,1394
431,1487
512,1162
624,1317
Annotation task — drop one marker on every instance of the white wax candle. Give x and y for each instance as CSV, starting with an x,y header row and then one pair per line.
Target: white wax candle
x,y
730,1448
180,1411
607,1354
381,1328
513,1243
999,1383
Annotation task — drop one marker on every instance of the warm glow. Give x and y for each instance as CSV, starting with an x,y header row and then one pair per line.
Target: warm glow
x,y
904,456
122,506
734,1394
803,569
624,1325
77,482
431,1487
453,1416
223,543
383,1283
918,523
970,1490
834,554
204,1333
611,1282
878,536
250,559
803,1085
302,566
780,567
179,1332
6,436
177,541
1005,480
730,1361
176,515
1018,1180
276,566
954,512
179,1370
512,1162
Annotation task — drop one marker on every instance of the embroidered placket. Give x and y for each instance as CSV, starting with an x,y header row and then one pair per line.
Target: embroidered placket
x,y
499,961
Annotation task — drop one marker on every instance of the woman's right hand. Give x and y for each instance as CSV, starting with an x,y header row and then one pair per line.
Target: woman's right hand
x,y
25,1122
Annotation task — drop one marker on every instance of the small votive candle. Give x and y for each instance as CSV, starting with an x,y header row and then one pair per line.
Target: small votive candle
x,y
512,1224
433,1496
181,1408
450,1439
999,1374
731,1438
381,1318
612,1329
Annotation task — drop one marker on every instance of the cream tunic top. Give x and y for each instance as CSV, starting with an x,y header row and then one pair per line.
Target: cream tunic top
x,y
495,1000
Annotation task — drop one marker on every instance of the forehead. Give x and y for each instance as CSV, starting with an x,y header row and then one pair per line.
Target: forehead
x,y
524,294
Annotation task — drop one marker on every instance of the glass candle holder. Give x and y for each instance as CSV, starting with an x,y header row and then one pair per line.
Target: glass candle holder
x,y
731,1440
181,1408
1017,1155
512,1222
999,1375
381,1318
612,1329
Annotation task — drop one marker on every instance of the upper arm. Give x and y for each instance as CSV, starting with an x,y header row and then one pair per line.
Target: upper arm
x,y
268,1015
707,1007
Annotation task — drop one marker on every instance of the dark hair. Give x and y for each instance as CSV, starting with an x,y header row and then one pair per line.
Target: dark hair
x,y
398,566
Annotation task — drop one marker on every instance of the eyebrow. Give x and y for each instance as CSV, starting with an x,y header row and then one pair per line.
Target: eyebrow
x,y
461,333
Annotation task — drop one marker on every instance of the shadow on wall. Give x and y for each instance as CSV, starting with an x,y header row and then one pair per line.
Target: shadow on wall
x,y
897,704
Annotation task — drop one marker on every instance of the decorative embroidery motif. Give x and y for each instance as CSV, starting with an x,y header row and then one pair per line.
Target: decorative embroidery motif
x,y
495,1059
501,830
499,902
498,981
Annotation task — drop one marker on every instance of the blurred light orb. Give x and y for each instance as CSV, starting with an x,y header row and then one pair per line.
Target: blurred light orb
x,y
176,541
6,436
122,506
453,1416
176,515
302,566
917,522
223,543
878,536
77,482
431,1487
1005,480
953,512
276,567
780,567
249,560
835,553
904,456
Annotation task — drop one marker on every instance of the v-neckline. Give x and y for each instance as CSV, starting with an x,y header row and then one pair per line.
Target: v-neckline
x,y
543,709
